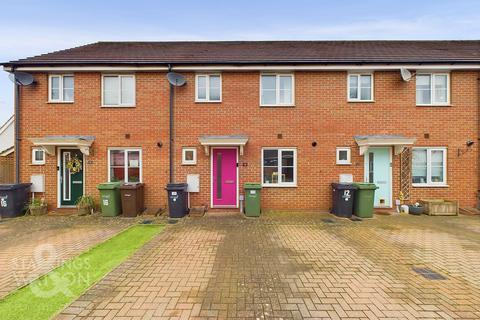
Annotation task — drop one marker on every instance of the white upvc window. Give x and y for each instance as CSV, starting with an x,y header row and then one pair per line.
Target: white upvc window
x,y
279,167
125,165
118,90
433,89
60,88
277,90
343,155
208,88
38,156
360,87
429,166
189,156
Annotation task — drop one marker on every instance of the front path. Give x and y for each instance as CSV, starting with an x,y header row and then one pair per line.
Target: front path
x,y
32,246
296,265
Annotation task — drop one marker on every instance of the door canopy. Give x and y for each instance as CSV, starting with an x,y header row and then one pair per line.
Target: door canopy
x,y
223,141
49,143
398,142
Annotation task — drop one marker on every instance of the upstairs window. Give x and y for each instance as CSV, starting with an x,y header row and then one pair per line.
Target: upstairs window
x,y
433,89
208,88
60,88
360,87
276,90
429,166
118,90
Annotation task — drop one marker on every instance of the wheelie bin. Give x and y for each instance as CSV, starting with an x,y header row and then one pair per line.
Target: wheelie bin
x,y
364,200
343,195
252,199
110,198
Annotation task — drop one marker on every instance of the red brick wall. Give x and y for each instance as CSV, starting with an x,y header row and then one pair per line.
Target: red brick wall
x,y
321,114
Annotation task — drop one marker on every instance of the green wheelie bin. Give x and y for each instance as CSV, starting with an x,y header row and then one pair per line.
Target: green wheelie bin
x,y
364,199
110,201
252,199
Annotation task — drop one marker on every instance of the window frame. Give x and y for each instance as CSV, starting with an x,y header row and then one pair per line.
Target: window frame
x,y
277,89
189,162
279,167
432,89
349,156
120,105
125,151
429,182
34,160
359,95
60,88
207,96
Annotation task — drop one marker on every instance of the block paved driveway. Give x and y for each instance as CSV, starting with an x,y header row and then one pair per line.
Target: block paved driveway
x,y
293,266
32,246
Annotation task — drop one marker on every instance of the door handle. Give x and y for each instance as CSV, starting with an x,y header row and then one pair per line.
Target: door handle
x,y
229,181
77,182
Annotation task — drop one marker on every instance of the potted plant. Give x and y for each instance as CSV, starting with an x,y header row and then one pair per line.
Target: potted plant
x,y
415,209
85,205
37,207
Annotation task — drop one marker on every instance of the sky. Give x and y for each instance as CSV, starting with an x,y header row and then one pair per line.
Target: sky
x,y
34,27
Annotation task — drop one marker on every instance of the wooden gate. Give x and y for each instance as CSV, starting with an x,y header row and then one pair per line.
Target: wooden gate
x,y
7,171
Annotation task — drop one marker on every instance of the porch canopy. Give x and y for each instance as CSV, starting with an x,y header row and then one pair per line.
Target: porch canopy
x,y
398,142
223,141
48,143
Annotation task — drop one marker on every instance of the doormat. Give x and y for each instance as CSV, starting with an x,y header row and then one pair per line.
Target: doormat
x,y
429,274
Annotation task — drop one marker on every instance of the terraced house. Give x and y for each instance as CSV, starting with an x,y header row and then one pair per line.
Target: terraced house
x,y
293,115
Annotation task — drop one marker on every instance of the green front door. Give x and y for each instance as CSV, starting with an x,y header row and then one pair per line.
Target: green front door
x,y
378,170
71,184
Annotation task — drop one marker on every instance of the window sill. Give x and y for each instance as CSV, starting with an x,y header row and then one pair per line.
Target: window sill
x,y
208,101
279,186
430,185
344,164
360,101
435,105
277,106
60,102
117,106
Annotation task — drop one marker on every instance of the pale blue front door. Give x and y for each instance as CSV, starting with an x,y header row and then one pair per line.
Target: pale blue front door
x,y
378,170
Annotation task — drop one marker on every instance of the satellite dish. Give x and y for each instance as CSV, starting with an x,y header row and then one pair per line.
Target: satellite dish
x,y
176,79
21,78
406,75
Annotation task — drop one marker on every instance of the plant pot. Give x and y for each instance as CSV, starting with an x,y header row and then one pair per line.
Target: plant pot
x,y
39,211
84,211
416,211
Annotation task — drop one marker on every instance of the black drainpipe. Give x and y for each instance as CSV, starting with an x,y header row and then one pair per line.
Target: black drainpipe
x,y
172,91
17,131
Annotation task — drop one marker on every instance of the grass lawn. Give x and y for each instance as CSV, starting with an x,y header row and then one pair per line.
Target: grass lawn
x,y
51,293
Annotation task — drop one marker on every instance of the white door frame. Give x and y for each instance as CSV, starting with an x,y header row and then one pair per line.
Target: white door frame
x,y
59,185
211,178
365,172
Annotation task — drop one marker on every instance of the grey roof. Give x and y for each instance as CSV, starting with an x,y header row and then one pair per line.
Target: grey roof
x,y
261,52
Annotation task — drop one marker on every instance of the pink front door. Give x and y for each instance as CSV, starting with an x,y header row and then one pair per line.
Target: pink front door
x,y
224,177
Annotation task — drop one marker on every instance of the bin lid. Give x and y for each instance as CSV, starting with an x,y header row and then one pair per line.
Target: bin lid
x,y
176,187
344,186
109,185
14,186
253,185
365,186
131,186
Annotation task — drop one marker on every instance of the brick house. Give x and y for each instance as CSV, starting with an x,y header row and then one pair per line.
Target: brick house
x,y
293,115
